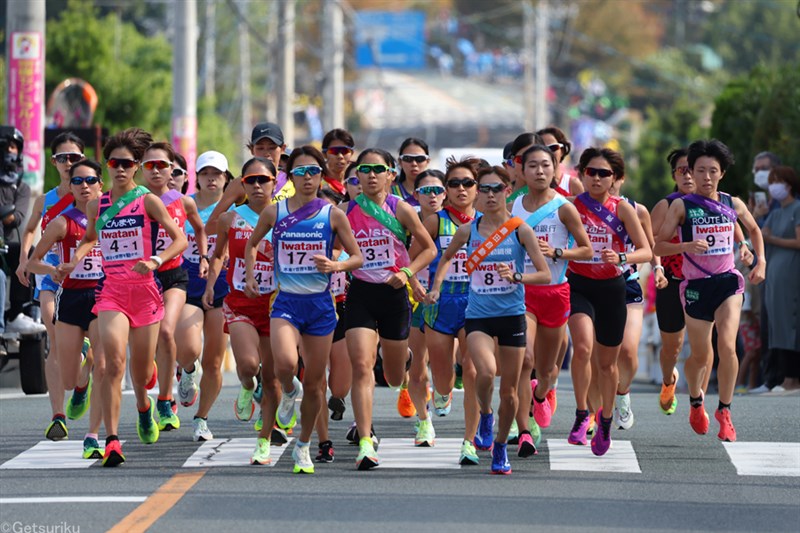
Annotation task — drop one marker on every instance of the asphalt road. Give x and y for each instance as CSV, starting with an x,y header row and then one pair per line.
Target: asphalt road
x,y
659,476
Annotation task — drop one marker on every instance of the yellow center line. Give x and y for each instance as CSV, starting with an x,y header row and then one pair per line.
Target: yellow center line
x,y
158,503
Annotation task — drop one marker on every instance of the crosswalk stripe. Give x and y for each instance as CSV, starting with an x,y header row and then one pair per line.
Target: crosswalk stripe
x,y
49,455
75,499
231,452
620,458
401,453
765,458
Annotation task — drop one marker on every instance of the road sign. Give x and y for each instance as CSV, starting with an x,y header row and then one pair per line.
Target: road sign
x,y
390,39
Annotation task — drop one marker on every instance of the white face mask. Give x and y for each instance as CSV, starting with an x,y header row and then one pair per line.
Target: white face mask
x,y
779,191
761,179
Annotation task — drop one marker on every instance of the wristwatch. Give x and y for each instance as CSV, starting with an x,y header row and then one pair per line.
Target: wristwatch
x,y
622,258
557,253
206,257
517,277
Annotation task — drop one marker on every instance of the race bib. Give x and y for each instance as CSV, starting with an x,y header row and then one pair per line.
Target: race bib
x,y
486,280
264,274
338,283
163,240
192,252
297,257
600,242
378,252
718,236
90,267
122,244
457,271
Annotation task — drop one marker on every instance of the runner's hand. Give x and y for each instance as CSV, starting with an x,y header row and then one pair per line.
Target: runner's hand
x,y
144,267
505,272
208,298
397,280
546,249
251,287
22,272
696,247
432,297
609,256
661,279
324,264
418,291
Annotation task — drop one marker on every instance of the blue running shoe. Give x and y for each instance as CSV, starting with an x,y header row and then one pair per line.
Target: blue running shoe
x,y
500,464
484,437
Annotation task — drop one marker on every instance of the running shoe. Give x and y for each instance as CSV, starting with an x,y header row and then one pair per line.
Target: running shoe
x,y
243,406
302,460
57,430
698,418
78,404
526,447
469,456
541,410
278,437
727,432
592,425
367,456
536,431
500,464
261,453
425,434
153,379
337,407
623,414
513,433
459,384
442,403
113,454
601,441
187,388
258,392
578,433
354,438
404,404
325,452
740,390
167,419
92,449
201,431
286,415
146,425
552,398
484,437
667,400
259,421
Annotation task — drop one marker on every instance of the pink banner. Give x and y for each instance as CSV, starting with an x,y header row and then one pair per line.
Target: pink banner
x,y
26,98
184,140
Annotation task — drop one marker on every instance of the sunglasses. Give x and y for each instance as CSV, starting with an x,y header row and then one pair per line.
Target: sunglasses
x,y
261,179
178,172
681,170
602,172
116,162
160,164
79,180
509,162
340,150
354,181
432,190
419,159
466,183
495,188
64,157
311,170
555,146
376,168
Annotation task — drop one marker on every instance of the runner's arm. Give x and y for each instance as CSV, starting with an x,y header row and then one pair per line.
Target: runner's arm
x,y
582,251
27,239
86,244
190,208
157,211
55,231
527,237
643,253
459,240
759,271
234,194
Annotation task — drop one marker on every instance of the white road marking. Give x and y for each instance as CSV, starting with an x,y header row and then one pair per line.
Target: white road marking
x,y
49,455
401,453
620,458
765,458
76,499
231,452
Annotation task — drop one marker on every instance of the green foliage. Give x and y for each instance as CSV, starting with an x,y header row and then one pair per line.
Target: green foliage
x,y
757,112
664,131
215,133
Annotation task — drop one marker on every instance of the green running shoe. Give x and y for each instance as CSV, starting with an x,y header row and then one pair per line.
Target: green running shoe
x,y
367,456
259,423
536,432
92,449
167,419
57,430
79,402
146,425
426,435
469,456
261,455
243,406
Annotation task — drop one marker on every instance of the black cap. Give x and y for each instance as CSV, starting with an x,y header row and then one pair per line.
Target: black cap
x,y
267,130
507,150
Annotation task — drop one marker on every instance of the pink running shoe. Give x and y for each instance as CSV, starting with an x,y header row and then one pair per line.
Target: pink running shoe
x,y
578,433
541,410
601,441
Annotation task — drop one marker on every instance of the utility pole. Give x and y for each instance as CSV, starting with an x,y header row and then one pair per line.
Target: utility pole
x,y
271,62
542,117
244,76
209,51
333,65
527,54
184,84
25,48
286,16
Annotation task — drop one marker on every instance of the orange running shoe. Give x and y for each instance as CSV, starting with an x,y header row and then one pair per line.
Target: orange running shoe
x,y
727,432
153,379
698,418
667,400
592,425
552,397
404,404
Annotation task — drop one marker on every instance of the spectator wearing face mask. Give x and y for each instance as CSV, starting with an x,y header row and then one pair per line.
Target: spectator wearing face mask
x,y
762,164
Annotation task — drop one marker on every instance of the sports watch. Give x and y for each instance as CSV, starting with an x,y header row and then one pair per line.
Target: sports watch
x,y
517,277
623,258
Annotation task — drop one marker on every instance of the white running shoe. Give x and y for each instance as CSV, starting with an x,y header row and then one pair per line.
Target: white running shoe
x,y
286,417
201,431
24,324
623,414
187,388
302,460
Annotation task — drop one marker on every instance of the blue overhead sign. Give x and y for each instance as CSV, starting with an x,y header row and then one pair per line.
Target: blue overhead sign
x,y
390,39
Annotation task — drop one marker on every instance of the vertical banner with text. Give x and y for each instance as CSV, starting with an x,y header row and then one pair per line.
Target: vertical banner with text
x,y
26,100
184,140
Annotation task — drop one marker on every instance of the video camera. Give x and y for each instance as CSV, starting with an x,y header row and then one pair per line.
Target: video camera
x,y
11,164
